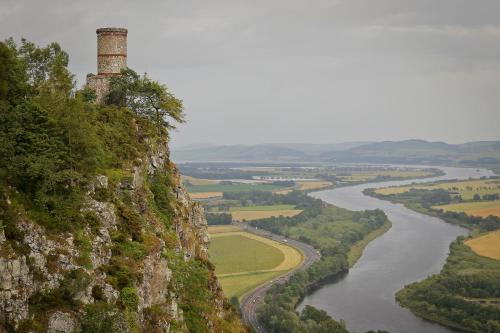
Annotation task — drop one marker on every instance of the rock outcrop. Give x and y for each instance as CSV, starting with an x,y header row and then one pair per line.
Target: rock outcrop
x,y
129,266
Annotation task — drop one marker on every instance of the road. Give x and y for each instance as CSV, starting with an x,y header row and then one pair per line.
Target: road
x,y
254,298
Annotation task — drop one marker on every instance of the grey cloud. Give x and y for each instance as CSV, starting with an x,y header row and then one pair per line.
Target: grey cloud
x,y
325,71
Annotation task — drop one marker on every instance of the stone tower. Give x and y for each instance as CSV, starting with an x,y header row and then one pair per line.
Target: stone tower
x,y
111,59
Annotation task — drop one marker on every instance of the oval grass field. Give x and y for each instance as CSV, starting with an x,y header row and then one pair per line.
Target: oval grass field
x,y
243,260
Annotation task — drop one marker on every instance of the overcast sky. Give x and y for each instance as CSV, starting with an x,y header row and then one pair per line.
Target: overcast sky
x,y
315,71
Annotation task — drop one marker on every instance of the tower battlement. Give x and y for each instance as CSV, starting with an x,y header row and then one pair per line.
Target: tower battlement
x,y
111,59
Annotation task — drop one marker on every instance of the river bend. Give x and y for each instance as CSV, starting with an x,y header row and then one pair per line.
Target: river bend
x,y
415,247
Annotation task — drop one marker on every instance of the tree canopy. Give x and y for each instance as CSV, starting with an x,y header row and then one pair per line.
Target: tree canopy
x,y
147,98
55,140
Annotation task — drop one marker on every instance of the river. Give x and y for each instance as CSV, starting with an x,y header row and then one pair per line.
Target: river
x,y
415,247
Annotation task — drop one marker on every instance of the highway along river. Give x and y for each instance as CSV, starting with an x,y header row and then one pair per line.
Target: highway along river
x,y
415,247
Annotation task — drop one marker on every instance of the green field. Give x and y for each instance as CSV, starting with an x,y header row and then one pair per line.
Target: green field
x,y
251,255
239,187
261,208
243,260
238,285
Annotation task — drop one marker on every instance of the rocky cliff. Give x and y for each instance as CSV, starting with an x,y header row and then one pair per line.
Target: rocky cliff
x,y
96,232
140,263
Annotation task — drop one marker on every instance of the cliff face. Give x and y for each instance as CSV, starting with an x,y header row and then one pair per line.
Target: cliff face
x,y
140,264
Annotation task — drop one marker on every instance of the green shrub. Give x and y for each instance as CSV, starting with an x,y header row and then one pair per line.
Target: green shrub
x,y
132,222
85,248
102,317
121,272
131,249
161,188
129,298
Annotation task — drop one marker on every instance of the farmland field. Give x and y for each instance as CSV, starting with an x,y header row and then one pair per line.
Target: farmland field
x,y
487,245
261,208
198,181
205,195
477,208
216,229
466,189
235,187
362,176
306,186
250,215
252,255
243,260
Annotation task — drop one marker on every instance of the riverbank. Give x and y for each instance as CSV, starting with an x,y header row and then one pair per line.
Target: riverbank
x,y
357,249
334,231
464,295
415,247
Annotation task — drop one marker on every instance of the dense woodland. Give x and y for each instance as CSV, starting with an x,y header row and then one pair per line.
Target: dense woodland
x,y
460,295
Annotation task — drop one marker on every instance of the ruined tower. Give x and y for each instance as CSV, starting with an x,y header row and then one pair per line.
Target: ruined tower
x,y
111,59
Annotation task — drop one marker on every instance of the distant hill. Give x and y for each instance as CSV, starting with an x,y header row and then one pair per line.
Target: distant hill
x,y
280,152
479,154
475,154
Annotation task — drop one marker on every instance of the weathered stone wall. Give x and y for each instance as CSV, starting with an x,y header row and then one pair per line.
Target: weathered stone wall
x,y
111,50
100,84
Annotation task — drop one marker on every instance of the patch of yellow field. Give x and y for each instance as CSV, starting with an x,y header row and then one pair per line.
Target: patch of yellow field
x,y
216,229
288,190
199,181
313,185
238,283
205,195
250,215
479,208
466,189
487,245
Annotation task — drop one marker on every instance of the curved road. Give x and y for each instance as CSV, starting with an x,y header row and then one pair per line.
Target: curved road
x,y
251,300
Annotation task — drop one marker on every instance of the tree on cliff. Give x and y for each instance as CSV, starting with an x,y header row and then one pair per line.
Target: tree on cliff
x,y
147,98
